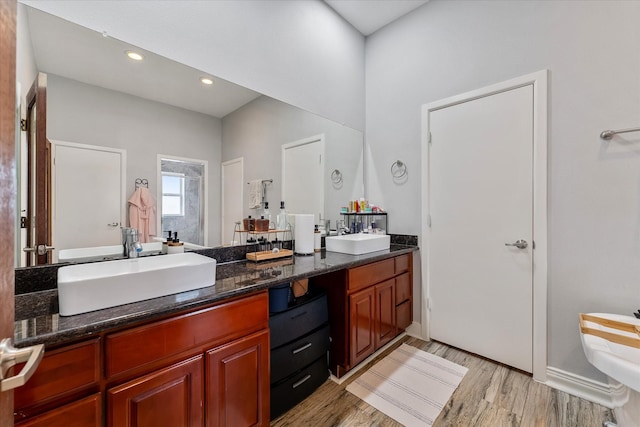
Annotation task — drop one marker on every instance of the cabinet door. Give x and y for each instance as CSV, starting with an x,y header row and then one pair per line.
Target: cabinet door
x,y
171,396
403,288
385,319
362,325
237,382
403,315
86,412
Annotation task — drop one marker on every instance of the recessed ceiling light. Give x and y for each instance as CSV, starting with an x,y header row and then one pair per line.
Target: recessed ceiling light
x,y
206,81
134,55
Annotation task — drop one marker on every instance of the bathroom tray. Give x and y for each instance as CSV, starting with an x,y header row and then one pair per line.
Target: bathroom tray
x,y
273,264
612,324
265,255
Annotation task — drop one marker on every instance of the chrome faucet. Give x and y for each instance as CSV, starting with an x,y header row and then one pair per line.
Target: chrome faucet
x,y
341,227
130,244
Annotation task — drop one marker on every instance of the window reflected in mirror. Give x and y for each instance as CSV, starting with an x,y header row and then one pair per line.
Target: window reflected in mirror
x,y
183,198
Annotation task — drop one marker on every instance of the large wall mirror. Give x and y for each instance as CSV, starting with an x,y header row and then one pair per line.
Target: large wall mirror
x,y
100,102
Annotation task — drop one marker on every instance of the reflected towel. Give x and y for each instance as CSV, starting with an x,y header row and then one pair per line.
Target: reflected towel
x,y
142,214
255,194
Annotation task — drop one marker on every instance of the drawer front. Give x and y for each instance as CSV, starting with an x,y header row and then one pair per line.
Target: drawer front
x,y
296,388
402,263
403,288
403,315
370,274
146,344
298,321
62,372
86,412
287,359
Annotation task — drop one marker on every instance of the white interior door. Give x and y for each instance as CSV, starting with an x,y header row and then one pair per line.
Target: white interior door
x,y
481,198
232,195
88,195
304,160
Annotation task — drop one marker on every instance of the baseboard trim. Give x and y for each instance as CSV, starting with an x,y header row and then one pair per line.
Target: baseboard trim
x,y
415,330
586,388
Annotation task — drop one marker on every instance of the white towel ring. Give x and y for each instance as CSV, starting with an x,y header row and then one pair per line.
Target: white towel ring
x,y
398,169
336,176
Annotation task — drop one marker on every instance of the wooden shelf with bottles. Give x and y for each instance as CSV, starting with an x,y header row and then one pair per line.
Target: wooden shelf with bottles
x,y
264,245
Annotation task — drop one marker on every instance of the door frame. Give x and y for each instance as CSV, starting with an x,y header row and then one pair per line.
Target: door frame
x,y
8,10
239,160
38,173
539,81
123,176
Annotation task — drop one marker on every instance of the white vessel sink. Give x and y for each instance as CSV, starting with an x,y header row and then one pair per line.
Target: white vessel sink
x,y
88,287
619,362
358,244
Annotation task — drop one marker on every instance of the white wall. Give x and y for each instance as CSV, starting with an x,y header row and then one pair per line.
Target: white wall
x,y
86,114
591,49
300,52
257,132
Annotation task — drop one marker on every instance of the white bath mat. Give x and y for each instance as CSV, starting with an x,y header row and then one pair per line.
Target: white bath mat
x,y
409,385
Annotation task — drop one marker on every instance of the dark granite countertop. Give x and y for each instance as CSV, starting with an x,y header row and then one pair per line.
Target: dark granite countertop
x,y
38,321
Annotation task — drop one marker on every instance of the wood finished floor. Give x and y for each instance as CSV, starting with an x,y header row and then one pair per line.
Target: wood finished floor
x,y
490,395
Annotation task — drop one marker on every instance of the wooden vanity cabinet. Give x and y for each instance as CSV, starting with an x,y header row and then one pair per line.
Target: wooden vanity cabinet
x,y
86,412
63,388
204,367
237,382
171,396
369,305
207,367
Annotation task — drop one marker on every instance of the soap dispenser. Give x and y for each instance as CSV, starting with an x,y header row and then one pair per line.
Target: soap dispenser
x,y
165,243
175,246
317,239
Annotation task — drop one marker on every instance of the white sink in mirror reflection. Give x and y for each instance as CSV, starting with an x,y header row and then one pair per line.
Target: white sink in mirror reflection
x,y
358,244
88,287
101,252
619,362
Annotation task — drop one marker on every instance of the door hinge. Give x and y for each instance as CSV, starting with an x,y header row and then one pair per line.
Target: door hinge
x,y
429,304
23,125
429,138
533,244
429,220
24,222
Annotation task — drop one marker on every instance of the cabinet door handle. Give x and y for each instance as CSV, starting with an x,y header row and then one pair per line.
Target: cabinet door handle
x,y
9,356
303,348
302,381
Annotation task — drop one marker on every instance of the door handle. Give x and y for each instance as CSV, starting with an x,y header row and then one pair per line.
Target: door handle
x,y
9,356
520,244
113,224
40,249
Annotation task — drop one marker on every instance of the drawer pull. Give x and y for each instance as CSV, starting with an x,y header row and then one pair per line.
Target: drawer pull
x,y
299,315
303,348
302,381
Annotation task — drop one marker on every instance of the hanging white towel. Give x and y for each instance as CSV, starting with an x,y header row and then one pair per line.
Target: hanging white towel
x,y
255,194
142,214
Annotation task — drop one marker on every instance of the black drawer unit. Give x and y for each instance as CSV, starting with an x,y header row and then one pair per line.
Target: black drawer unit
x,y
296,355
299,349
308,314
287,394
